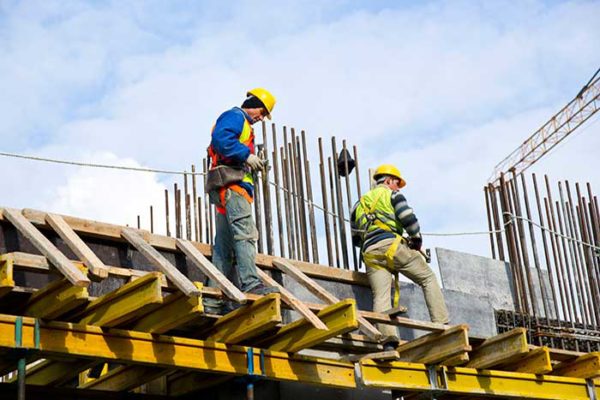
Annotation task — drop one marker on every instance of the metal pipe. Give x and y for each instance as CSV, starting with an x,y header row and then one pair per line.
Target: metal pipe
x,y
151,220
21,371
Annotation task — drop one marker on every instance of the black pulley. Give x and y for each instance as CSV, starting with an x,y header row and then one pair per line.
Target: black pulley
x,y
344,158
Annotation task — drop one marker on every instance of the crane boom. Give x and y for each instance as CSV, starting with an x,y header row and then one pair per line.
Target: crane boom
x,y
561,125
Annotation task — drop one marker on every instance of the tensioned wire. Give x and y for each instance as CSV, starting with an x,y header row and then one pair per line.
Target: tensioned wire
x,y
310,203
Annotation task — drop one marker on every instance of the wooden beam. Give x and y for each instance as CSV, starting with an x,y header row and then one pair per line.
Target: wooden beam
x,y
322,294
175,311
292,301
124,377
339,318
56,299
56,373
436,347
586,366
249,321
159,261
7,283
124,304
536,361
198,259
58,259
388,355
81,250
500,349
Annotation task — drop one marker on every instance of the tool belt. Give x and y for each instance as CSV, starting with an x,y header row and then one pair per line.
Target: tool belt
x,y
223,176
388,259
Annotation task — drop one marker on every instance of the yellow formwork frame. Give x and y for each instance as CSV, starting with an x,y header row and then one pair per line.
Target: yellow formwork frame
x,y
406,376
7,283
84,341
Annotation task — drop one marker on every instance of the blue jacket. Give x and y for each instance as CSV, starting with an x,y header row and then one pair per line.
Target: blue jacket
x,y
225,140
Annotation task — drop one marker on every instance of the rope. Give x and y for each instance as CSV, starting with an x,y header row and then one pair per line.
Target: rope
x,y
310,203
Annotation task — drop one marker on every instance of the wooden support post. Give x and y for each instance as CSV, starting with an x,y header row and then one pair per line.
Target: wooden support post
x,y
339,318
249,321
501,349
124,304
198,259
292,301
436,347
159,261
321,293
176,310
58,259
56,299
81,250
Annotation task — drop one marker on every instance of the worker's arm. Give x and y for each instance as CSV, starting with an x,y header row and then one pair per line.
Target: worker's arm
x,y
405,215
225,137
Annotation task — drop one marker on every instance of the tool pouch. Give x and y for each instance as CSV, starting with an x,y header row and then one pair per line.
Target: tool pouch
x,y
222,176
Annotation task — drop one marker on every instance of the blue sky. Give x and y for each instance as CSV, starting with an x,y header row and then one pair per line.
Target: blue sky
x,y
443,89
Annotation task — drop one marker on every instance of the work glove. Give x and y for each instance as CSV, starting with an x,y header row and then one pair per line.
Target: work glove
x,y
254,162
415,242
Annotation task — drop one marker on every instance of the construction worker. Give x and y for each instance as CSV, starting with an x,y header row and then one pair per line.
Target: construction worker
x,y
230,185
378,221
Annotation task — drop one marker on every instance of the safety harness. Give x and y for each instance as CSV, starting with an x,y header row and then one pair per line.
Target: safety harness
x,y
379,218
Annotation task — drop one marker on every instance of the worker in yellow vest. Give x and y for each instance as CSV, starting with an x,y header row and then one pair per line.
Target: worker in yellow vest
x,y
378,221
230,186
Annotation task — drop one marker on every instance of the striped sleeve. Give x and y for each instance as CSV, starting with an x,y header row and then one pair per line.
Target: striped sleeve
x,y
405,214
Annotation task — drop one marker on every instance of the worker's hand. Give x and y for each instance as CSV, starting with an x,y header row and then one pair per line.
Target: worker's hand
x,y
254,162
415,242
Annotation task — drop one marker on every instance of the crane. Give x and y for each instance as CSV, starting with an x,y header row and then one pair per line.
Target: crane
x,y
561,125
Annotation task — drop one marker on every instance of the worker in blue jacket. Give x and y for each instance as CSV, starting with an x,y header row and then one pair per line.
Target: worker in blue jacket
x,y
232,150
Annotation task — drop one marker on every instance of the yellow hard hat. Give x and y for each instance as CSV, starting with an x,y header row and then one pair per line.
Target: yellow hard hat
x,y
389,169
266,97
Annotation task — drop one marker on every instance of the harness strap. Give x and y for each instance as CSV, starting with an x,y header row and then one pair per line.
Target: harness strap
x,y
388,257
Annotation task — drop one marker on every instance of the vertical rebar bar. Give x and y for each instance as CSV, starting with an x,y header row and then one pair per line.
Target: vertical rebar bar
x,y
340,207
290,204
299,192
311,208
266,190
499,228
575,298
335,215
349,198
195,203
490,228
325,206
151,219
167,224
258,212
278,193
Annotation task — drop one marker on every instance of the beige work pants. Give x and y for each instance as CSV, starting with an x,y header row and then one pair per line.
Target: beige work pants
x,y
411,264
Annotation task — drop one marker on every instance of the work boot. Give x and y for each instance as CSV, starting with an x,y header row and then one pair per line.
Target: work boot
x,y
212,306
262,289
390,343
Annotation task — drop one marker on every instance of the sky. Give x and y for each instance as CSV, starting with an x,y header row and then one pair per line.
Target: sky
x,y
442,89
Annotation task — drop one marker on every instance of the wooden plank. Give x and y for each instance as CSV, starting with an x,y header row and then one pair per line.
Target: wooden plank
x,y
159,261
55,373
95,266
500,349
58,259
389,355
7,283
249,321
586,366
124,377
436,347
56,299
113,232
292,301
456,361
198,259
124,304
340,318
175,311
536,361
322,294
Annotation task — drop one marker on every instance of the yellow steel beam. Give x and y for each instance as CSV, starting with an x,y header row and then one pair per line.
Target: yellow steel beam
x,y
56,299
130,347
7,283
176,310
501,349
405,376
339,318
248,321
124,304
436,347
124,377
586,366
